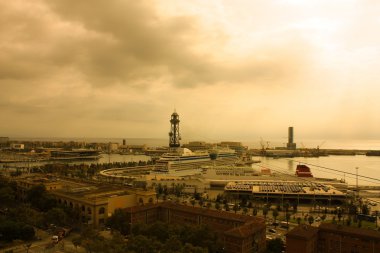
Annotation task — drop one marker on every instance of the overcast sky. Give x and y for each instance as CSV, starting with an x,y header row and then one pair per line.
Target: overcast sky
x,y
233,70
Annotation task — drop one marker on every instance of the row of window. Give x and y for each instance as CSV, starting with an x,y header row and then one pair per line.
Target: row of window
x,y
83,208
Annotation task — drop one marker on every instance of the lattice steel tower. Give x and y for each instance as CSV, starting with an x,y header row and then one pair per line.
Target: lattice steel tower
x,y
174,136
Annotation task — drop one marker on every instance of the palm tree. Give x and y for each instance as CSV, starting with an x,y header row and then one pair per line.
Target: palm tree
x,y
236,208
287,217
275,214
254,211
265,211
310,219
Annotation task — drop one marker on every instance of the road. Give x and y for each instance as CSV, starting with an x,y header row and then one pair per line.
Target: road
x,y
45,246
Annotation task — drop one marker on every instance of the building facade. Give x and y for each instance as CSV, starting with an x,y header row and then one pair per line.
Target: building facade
x,y
332,238
240,233
93,203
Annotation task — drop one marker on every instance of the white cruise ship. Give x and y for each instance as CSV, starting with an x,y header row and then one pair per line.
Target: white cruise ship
x,y
184,162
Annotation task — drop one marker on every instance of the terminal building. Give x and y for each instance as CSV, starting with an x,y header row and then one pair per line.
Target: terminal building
x,y
332,238
299,191
240,233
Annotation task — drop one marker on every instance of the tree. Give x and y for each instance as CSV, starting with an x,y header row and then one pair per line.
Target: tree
x,y
348,221
339,214
310,219
287,217
119,221
56,216
265,211
299,220
245,210
275,214
254,211
217,206
295,207
208,205
39,198
192,202
275,246
365,209
236,208
7,196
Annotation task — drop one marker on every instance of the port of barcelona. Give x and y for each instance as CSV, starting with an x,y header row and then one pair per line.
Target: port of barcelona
x,y
189,126
197,196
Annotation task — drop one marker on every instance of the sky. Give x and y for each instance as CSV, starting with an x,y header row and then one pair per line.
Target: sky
x,y
233,70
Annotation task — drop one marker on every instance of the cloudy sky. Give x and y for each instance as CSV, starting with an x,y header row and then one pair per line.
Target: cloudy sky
x,y
233,70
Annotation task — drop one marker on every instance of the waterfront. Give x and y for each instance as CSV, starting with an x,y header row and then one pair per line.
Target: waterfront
x,y
369,166
347,144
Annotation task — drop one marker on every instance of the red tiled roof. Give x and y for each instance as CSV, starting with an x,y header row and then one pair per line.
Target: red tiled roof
x,y
335,228
303,232
245,230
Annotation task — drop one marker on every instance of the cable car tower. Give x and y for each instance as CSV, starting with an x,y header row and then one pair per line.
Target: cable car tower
x,y
174,136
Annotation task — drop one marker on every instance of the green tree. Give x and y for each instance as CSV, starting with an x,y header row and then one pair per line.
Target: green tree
x,y
310,219
39,198
56,216
275,214
119,221
265,211
275,246
236,208
287,218
348,221
254,211
7,196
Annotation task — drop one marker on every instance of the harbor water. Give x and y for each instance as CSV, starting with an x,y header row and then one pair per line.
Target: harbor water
x,y
324,166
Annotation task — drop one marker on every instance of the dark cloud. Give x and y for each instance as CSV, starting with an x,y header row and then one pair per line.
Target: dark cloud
x,y
119,42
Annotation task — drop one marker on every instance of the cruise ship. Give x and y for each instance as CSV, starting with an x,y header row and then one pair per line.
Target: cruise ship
x,y
184,162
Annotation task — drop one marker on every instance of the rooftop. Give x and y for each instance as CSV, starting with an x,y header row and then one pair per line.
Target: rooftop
x,y
303,232
335,228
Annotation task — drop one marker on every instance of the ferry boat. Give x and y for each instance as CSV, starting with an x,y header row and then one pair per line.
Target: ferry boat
x,y
184,162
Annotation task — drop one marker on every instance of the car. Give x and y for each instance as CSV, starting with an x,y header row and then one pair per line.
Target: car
x,y
272,230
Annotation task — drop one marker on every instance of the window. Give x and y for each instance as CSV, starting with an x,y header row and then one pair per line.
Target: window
x,y
102,210
89,210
